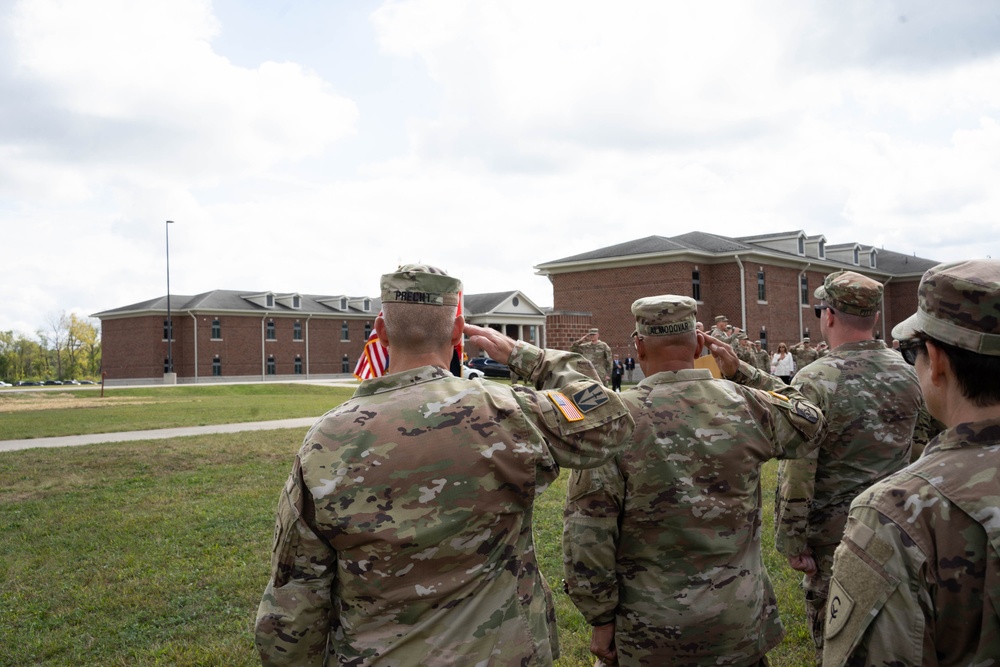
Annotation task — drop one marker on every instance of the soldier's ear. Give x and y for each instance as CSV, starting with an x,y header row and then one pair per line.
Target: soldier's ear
x,y
458,331
380,330
938,365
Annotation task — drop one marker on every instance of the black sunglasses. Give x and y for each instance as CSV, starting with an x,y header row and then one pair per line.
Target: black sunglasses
x,y
819,309
909,348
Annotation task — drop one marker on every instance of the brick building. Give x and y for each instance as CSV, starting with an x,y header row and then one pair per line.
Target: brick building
x,y
227,335
764,284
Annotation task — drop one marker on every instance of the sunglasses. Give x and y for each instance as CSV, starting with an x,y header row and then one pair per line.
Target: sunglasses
x,y
909,348
819,309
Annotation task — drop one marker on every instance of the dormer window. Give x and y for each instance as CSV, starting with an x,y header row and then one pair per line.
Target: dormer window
x,y
802,245
269,300
296,301
368,305
857,252
822,249
872,258
343,303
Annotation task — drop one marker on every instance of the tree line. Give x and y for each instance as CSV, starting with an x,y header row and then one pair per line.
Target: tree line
x,y
67,348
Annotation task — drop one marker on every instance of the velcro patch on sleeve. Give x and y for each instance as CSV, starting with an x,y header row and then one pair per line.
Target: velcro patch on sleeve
x,y
566,406
806,412
590,398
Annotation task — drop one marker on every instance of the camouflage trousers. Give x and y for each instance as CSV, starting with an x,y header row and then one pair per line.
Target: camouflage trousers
x,y
817,590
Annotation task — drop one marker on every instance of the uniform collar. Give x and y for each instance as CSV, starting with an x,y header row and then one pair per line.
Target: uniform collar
x,y
968,434
393,381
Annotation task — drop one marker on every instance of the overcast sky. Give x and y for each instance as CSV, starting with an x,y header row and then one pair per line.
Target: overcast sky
x,y
311,146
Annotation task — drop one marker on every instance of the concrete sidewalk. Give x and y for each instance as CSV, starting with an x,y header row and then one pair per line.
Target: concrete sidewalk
x,y
154,434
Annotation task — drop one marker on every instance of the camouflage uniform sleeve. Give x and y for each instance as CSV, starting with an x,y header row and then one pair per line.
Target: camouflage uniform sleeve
x,y
594,502
583,422
794,424
294,616
878,611
797,486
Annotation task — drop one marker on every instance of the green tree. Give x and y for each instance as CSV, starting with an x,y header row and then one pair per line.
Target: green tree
x,y
83,348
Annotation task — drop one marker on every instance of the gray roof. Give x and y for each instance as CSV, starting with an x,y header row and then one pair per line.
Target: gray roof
x,y
220,301
484,303
888,262
233,301
647,245
898,263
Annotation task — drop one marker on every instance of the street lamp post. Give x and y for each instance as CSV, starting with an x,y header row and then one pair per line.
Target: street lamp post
x,y
169,376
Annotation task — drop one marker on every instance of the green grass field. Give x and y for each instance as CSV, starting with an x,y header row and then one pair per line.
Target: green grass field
x,y
156,552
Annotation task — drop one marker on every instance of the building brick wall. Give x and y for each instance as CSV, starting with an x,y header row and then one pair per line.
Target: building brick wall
x,y
134,348
603,298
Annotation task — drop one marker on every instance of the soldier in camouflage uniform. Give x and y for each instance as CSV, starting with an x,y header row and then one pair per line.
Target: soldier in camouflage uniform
x,y
662,545
916,579
596,351
403,534
803,353
743,349
761,359
719,331
872,402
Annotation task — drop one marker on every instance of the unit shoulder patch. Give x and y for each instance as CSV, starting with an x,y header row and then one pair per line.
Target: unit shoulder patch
x,y
590,398
838,609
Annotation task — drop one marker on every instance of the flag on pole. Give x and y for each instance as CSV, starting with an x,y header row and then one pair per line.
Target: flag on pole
x,y
374,359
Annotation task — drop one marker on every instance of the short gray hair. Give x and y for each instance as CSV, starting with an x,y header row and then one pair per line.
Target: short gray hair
x,y
417,328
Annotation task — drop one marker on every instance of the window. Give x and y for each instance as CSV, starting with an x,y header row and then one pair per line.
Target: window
x,y
368,330
368,305
168,330
216,329
345,365
696,285
761,287
515,302
822,249
345,332
270,335
298,365
269,300
297,330
166,365
217,367
802,245
272,368
296,301
856,259
343,303
872,258
804,290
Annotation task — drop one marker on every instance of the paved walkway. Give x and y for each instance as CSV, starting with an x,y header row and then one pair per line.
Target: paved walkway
x,y
156,434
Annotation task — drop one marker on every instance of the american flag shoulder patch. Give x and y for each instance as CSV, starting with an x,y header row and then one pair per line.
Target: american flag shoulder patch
x,y
566,406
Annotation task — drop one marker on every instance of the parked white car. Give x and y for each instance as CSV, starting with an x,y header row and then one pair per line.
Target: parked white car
x,y
471,373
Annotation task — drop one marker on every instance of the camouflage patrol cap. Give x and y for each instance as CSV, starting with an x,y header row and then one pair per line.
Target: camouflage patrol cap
x,y
958,303
721,318
594,330
851,293
665,315
420,284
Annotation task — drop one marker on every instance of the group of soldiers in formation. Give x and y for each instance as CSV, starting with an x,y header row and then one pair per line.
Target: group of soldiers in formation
x,y
404,531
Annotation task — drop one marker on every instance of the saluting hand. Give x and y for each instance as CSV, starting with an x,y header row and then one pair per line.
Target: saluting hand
x,y
725,358
491,341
